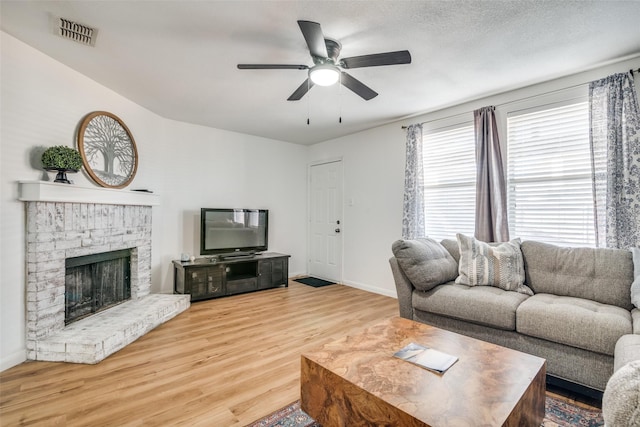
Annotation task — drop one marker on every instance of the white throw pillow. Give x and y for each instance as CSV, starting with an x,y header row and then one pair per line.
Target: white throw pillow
x,y
500,265
635,286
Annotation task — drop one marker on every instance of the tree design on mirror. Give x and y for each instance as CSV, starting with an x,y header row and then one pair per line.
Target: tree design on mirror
x,y
108,150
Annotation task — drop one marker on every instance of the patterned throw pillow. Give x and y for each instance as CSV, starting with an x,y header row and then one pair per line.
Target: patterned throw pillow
x,y
500,265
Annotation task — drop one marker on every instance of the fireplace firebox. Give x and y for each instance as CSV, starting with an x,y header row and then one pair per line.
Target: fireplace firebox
x,y
96,282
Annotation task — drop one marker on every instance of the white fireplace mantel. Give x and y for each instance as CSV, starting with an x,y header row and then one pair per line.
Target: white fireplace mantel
x,y
44,191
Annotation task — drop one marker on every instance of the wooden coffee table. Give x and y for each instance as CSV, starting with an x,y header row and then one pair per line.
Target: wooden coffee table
x,y
356,381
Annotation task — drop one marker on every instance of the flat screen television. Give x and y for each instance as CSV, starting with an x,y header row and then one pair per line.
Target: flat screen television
x,y
233,232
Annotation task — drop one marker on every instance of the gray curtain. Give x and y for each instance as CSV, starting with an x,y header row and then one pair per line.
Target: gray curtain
x,y
413,206
491,194
615,154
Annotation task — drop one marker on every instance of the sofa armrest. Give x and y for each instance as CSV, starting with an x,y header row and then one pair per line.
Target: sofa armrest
x,y
627,350
404,289
635,320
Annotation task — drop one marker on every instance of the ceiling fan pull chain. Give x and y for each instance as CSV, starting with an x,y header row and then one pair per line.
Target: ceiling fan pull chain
x,y
308,105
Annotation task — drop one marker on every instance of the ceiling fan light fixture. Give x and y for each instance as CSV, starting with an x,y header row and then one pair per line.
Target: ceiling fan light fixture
x,y
324,74
328,68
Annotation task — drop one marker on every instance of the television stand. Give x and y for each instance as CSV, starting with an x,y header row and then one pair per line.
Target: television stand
x,y
209,277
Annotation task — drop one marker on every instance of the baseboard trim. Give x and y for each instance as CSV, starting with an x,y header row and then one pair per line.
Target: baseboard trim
x,y
13,359
375,290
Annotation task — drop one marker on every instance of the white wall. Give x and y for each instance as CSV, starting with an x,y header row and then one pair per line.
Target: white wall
x,y
42,102
374,163
212,168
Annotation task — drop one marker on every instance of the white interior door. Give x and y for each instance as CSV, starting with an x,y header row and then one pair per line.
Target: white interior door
x,y
325,221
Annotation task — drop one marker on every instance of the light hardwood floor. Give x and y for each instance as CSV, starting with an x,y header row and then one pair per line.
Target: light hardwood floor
x,y
224,362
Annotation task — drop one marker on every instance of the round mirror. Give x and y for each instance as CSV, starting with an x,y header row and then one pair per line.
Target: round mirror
x,y
108,150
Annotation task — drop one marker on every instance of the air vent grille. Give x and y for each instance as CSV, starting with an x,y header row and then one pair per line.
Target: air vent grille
x,y
77,32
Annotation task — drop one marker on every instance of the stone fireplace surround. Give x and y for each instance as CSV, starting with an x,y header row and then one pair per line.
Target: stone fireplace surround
x,y
66,221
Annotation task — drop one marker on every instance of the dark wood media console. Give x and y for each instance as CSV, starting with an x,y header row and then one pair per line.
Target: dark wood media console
x,y
212,277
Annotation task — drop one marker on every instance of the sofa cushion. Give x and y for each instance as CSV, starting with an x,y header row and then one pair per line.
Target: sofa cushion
x,y
425,262
576,322
598,274
635,286
498,265
483,305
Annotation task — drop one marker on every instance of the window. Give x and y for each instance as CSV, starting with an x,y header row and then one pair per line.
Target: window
x,y
549,175
449,181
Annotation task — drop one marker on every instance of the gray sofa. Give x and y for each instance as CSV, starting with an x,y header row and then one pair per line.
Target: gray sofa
x,y
580,307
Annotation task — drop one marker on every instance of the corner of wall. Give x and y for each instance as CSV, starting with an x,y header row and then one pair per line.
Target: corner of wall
x,y
13,359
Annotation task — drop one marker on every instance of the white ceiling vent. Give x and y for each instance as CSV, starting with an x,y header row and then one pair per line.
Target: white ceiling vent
x,y
77,32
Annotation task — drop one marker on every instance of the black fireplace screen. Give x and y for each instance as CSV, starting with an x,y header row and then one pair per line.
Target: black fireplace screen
x,y
96,282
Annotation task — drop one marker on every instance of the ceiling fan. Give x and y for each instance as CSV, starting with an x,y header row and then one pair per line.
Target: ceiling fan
x,y
327,68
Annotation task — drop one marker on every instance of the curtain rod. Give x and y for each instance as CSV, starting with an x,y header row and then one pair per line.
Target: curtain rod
x,y
632,71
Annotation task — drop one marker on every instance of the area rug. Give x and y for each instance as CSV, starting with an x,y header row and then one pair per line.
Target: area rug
x,y
558,414
314,281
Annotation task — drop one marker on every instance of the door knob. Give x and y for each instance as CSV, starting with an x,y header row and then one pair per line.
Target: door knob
x,y
337,230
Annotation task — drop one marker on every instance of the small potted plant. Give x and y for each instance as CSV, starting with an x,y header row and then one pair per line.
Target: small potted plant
x,y
61,159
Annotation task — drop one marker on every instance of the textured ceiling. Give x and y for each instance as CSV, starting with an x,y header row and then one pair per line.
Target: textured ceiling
x,y
178,58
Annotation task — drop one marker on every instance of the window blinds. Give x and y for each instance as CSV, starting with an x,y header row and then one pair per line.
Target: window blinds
x,y
449,181
549,174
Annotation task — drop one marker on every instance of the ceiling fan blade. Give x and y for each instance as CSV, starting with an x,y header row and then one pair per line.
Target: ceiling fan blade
x,y
358,87
301,91
271,67
315,39
377,59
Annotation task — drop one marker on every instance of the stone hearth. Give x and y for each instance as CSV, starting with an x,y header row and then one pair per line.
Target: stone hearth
x,y
67,221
